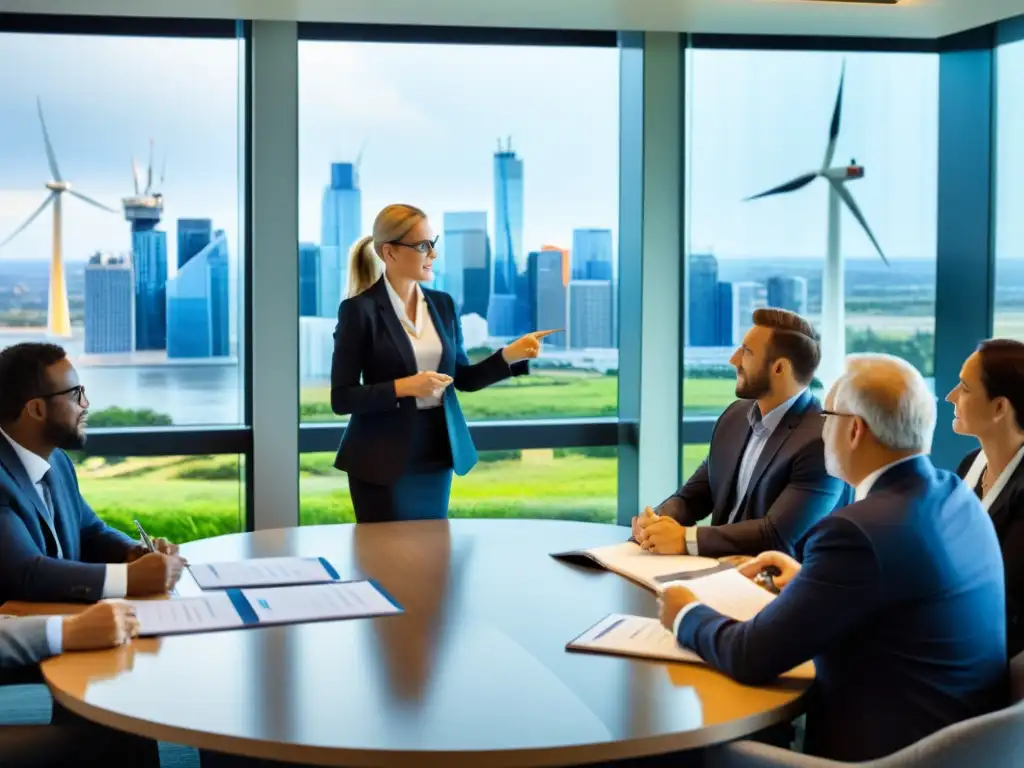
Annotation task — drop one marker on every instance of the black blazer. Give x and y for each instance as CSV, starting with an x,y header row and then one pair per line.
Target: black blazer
x,y
371,350
789,490
899,604
1007,513
29,567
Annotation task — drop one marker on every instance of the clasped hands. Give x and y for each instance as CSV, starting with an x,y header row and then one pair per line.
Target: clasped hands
x,y
659,534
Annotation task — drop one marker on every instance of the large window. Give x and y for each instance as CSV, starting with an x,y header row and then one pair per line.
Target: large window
x,y
513,152
120,217
758,119
1009,199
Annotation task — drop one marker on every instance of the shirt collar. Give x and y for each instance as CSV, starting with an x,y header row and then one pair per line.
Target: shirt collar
x,y
765,425
413,324
865,485
35,466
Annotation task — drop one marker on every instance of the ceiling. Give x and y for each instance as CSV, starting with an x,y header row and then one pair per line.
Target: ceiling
x,y
910,18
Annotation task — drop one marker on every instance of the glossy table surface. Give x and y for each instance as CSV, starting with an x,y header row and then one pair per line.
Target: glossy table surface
x,y
475,672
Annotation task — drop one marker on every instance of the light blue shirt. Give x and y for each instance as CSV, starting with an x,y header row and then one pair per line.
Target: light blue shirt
x,y
762,428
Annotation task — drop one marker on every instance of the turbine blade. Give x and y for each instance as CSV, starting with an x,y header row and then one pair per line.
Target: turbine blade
x,y
163,172
790,186
837,113
136,176
51,158
844,193
149,170
90,201
30,219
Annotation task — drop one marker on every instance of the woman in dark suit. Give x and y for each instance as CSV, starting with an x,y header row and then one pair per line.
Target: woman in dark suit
x,y
988,404
397,351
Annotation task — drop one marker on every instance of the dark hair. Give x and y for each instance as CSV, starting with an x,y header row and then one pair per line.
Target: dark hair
x,y
23,375
1002,372
794,339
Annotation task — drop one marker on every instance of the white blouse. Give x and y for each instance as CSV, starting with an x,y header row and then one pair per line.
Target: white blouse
x,y
426,344
974,475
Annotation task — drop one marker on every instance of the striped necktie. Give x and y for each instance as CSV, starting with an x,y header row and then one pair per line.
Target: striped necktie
x,y
51,521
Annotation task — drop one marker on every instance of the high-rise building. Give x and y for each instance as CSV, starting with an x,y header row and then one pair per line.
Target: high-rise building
x,y
724,320
785,292
549,296
592,254
703,323
746,297
468,253
193,236
109,305
501,315
149,254
309,280
197,304
590,314
509,258
340,227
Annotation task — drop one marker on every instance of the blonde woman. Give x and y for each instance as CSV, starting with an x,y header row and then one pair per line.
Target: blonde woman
x,y
398,352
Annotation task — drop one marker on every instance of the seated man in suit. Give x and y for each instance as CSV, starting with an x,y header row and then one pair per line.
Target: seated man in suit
x,y
899,600
76,742
764,482
53,547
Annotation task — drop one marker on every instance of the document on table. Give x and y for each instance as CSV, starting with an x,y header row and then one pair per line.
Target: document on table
x,y
647,569
263,572
623,635
235,608
730,593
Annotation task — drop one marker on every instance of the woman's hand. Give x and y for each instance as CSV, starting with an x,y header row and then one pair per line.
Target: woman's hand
x,y
526,347
423,384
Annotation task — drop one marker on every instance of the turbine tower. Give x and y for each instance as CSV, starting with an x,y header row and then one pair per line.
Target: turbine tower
x,y
58,315
833,298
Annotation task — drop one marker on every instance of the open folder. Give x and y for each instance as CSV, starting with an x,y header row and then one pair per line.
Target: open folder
x,y
263,572
236,608
645,568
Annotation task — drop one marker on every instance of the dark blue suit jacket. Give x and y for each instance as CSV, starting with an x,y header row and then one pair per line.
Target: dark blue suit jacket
x,y
29,568
789,489
899,603
371,351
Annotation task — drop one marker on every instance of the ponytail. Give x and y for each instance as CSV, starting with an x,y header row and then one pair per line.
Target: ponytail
x,y
364,267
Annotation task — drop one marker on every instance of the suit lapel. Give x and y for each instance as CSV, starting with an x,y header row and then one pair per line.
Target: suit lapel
x,y
16,469
447,356
777,438
395,330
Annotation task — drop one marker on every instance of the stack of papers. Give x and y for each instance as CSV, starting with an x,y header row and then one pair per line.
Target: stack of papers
x,y
647,569
263,572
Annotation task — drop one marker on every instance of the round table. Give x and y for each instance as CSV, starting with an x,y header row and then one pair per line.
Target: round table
x,y
475,672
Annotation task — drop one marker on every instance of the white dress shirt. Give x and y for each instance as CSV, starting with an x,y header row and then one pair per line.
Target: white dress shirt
x,y
426,344
115,581
761,429
978,467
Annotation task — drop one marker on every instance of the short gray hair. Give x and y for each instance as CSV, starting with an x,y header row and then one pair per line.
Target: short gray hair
x,y
892,398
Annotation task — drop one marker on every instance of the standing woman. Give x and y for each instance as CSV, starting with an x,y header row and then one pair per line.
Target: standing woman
x,y
397,349
988,404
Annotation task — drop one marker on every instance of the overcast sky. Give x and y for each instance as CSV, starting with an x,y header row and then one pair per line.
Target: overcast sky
x,y
428,118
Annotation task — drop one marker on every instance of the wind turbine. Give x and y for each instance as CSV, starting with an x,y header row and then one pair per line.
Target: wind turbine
x,y
833,310
58,315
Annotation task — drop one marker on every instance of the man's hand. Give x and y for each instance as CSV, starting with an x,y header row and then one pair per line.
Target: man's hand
x,y
648,514
671,602
154,574
661,535
787,566
162,545
104,625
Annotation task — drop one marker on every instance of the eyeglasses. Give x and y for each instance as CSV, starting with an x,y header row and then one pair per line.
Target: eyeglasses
x,y
825,413
423,246
78,393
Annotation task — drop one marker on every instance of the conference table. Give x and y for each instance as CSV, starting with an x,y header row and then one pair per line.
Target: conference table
x,y
474,672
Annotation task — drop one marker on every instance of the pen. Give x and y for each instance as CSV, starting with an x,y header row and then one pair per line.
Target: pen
x,y
146,541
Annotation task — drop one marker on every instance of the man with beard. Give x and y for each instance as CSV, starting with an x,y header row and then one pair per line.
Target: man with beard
x,y
764,483
53,547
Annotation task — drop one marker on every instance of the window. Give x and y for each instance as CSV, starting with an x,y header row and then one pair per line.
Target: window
x,y
120,218
200,496
1009,197
758,119
567,483
512,150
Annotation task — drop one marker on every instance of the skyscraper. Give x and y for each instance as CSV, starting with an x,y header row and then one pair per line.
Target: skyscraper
x,y
149,253
724,318
592,254
197,304
746,297
309,279
785,292
509,258
467,250
590,314
340,227
109,305
702,316
193,236
548,295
